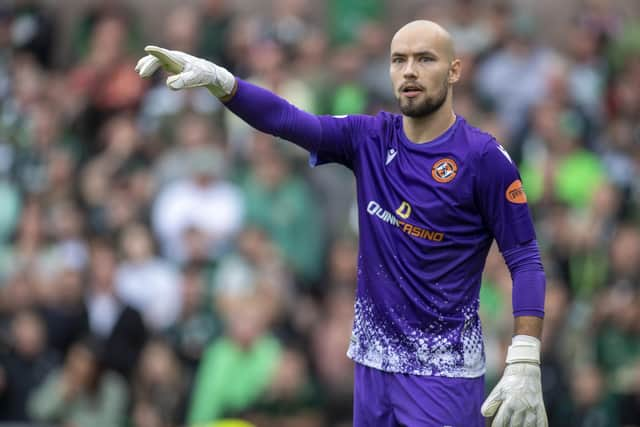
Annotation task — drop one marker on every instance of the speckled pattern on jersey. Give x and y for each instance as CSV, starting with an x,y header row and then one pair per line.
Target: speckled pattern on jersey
x,y
440,349
427,216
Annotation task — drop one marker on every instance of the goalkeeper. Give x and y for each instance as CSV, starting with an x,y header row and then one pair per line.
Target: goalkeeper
x,y
433,192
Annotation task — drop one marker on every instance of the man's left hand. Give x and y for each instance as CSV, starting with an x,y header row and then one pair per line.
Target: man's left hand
x,y
516,401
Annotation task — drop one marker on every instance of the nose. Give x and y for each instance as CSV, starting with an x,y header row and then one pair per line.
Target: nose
x,y
409,71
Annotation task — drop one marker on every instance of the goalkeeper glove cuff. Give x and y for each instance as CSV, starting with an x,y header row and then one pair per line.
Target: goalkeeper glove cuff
x,y
524,348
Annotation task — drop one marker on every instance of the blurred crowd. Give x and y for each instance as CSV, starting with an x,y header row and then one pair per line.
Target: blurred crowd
x,y
163,264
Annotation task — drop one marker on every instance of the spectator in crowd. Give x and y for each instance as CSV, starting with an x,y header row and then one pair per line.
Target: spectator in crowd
x,y
346,17
81,392
108,185
198,323
281,204
116,325
514,77
146,282
35,153
92,15
291,398
33,31
107,56
60,294
28,246
161,106
629,407
335,374
205,201
255,260
236,369
25,365
159,388
590,405
194,135
216,19
471,33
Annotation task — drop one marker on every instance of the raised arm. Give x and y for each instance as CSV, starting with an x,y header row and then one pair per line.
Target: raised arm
x,y
258,107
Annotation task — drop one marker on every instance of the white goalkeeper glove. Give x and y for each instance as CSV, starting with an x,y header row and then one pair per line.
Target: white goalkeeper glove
x,y
517,398
188,71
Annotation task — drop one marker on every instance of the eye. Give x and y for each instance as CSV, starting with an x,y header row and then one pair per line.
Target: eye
x,y
426,59
397,60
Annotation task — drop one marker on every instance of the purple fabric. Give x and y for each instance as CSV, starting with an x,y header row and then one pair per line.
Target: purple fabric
x,y
271,114
509,222
382,399
428,213
528,278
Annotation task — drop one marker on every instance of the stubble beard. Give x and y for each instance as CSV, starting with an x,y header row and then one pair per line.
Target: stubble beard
x,y
412,107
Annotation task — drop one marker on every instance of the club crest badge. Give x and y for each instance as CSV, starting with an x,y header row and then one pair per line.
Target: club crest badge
x,y
444,170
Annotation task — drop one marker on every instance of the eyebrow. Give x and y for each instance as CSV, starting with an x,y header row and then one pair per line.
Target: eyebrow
x,y
421,53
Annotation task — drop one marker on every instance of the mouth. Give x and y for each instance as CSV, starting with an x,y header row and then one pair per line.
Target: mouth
x,y
411,90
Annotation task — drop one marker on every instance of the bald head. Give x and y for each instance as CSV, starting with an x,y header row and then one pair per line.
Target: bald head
x,y
423,68
426,34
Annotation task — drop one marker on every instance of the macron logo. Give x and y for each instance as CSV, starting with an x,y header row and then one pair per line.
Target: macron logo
x,y
391,154
504,151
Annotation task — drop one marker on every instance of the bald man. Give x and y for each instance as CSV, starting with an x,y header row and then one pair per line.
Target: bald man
x,y
433,193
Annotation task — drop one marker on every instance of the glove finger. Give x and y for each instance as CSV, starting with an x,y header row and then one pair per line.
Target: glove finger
x,y
139,63
170,62
489,407
530,419
541,416
175,82
516,419
147,66
491,403
502,416
182,80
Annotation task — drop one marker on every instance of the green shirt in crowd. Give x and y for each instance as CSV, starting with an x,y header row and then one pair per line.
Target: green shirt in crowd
x,y
230,379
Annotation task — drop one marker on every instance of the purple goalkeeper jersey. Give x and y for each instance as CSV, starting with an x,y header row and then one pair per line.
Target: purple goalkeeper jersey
x,y
427,216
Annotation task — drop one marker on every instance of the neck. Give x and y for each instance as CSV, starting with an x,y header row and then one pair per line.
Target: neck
x,y
428,128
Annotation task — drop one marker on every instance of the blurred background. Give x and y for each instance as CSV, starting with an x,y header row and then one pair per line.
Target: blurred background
x,y
162,264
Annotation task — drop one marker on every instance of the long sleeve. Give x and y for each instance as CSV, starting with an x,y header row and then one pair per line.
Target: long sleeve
x,y
503,204
272,114
327,138
528,279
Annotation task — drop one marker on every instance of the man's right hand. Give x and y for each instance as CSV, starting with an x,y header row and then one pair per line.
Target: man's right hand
x,y
187,71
